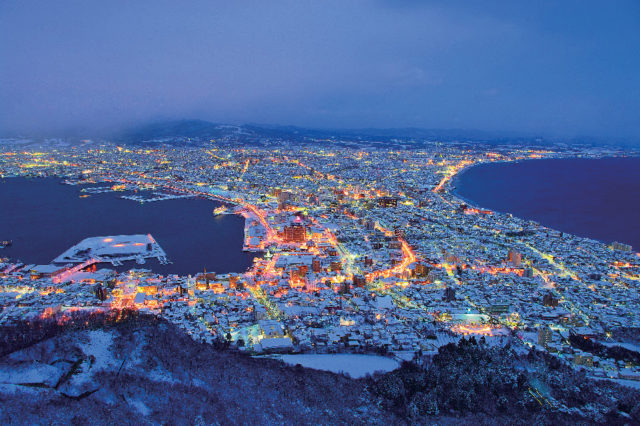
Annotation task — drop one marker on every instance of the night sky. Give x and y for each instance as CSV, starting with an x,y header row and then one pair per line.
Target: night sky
x,y
558,68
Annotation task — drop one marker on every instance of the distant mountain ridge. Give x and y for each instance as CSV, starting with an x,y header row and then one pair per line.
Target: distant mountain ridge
x,y
175,128
195,131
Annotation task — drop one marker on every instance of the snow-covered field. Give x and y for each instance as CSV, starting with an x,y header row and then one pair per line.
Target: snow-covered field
x,y
354,365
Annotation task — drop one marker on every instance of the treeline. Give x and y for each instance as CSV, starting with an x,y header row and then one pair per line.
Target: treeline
x,y
29,332
615,352
472,379
462,378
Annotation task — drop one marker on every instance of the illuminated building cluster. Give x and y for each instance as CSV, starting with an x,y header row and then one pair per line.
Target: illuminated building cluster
x,y
360,250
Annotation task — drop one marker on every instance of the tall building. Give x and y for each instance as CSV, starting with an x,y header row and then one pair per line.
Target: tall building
x,y
369,224
433,275
400,233
545,336
336,265
422,270
101,292
314,200
359,281
449,294
284,196
515,258
549,300
527,273
295,233
284,199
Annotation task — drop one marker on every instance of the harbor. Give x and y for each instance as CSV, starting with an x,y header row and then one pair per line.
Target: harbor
x,y
53,218
158,196
115,249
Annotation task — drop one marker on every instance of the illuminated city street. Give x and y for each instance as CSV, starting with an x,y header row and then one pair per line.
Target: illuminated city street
x,y
348,259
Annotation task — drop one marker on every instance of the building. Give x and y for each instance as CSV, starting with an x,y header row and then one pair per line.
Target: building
x,y
369,224
336,265
528,272
449,294
275,344
433,275
260,312
284,196
271,328
359,281
545,336
498,308
422,270
586,360
621,246
101,292
549,300
295,233
515,258
387,202
46,271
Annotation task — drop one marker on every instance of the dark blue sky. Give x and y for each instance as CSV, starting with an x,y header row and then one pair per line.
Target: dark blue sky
x,y
546,67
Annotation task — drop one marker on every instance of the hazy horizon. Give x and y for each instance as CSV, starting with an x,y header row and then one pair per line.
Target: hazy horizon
x,y
551,69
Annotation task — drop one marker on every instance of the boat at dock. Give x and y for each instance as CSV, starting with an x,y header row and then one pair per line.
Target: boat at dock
x,y
220,210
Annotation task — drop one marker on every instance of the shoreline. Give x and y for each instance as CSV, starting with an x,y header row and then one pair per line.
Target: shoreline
x,y
156,267
453,189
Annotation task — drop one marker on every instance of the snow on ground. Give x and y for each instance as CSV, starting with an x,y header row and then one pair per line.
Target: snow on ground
x,y
112,247
98,344
404,355
630,383
161,375
354,365
140,406
630,346
441,340
94,343
7,389
31,373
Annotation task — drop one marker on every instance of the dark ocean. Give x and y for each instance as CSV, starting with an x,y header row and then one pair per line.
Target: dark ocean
x,y
595,198
44,218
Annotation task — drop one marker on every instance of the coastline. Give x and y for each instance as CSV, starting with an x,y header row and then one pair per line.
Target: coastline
x,y
453,188
139,218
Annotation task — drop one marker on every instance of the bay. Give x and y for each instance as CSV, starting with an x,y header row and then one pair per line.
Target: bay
x,y
594,198
44,218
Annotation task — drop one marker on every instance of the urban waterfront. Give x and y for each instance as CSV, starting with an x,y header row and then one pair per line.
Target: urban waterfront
x,y
44,217
594,198
360,252
347,212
